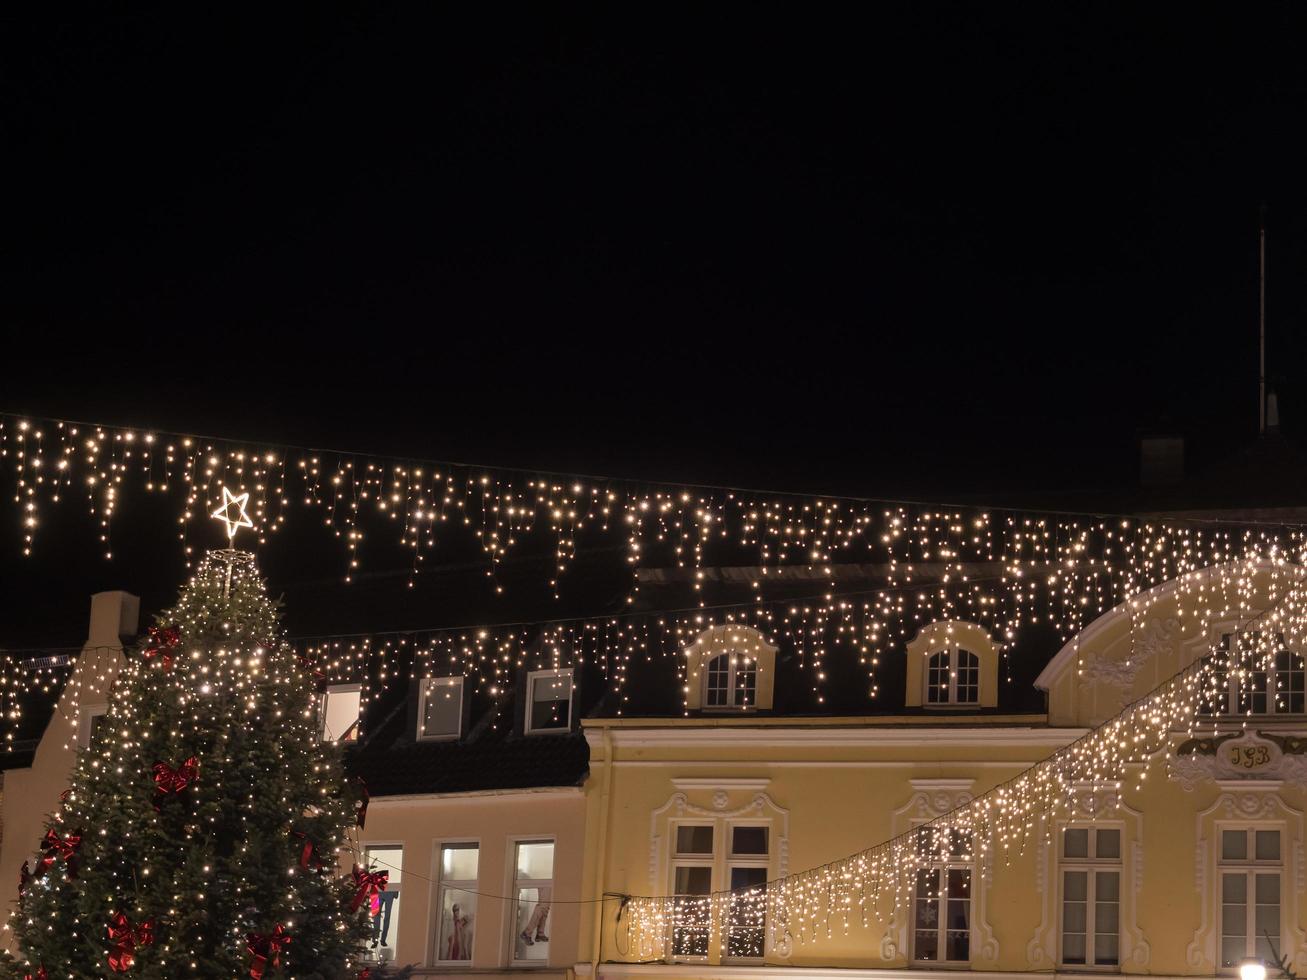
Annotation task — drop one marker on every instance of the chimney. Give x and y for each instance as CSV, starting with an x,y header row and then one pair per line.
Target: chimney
x,y
1161,460
114,616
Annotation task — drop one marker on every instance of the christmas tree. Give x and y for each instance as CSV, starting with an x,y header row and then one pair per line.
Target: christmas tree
x,y
203,831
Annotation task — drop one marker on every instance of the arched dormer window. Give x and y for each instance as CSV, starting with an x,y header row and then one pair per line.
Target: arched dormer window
x,y
732,681
953,677
729,668
952,664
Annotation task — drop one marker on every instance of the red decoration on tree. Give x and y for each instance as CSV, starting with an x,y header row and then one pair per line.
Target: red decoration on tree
x,y
365,973
161,644
56,847
309,852
169,780
126,938
265,948
363,802
370,884
40,974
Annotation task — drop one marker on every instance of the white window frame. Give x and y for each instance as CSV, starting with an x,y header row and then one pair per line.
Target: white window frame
x,y
515,884
690,859
1251,867
732,667
397,887
1238,683
438,887
423,692
322,711
944,864
1090,865
86,717
530,727
953,652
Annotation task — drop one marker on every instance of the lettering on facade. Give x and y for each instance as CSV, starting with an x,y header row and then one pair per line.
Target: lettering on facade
x,y
1240,755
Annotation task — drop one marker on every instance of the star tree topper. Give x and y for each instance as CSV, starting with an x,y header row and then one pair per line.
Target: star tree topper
x,y
223,513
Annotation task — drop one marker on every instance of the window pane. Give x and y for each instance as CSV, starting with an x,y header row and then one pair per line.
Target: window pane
x,y
535,860
458,862
1075,916
340,715
1107,914
1267,847
442,708
746,681
385,923
1075,842
1106,949
388,859
1109,843
959,843
968,677
458,911
1073,947
531,936
718,680
1075,886
693,881
1234,888
747,915
957,938
1234,918
693,840
925,917
746,840
1234,845
1268,889
551,698
937,670
1107,886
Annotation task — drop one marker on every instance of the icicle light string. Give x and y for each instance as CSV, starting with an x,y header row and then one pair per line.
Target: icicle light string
x,y
1220,689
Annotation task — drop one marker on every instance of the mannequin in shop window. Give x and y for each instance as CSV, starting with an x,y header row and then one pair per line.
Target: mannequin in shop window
x,y
381,921
535,926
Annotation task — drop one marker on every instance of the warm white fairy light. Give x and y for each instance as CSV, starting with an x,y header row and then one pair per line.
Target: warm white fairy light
x,y
223,513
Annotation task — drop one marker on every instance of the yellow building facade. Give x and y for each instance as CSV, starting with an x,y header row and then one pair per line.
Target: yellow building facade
x,y
1183,872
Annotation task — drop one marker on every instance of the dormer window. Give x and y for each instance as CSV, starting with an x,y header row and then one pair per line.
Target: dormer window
x,y
440,708
732,681
340,712
953,678
548,701
952,664
1247,680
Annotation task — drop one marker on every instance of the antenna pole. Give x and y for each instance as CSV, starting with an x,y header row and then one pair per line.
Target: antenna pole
x,y
1261,323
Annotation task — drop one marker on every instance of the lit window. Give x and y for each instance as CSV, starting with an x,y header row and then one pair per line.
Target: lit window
x,y
92,718
941,901
732,680
440,708
1250,879
1091,896
457,902
385,923
340,712
549,701
952,677
533,892
1247,678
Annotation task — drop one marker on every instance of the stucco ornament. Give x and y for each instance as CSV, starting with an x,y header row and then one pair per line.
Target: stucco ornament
x,y
1234,756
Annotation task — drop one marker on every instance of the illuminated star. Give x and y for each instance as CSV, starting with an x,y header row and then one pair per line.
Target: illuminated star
x,y
223,513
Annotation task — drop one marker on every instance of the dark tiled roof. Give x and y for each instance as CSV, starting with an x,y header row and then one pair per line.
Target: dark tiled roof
x,y
511,762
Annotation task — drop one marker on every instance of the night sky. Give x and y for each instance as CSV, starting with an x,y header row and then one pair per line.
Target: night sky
x,y
937,251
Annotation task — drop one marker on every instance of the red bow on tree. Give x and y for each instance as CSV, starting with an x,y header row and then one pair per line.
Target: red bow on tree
x,y
161,644
363,802
126,939
169,780
265,948
370,884
56,847
365,973
40,974
309,852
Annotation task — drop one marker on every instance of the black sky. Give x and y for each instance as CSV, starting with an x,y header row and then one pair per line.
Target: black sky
x,y
922,249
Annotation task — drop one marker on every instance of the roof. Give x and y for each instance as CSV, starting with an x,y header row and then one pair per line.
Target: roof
x,y
512,762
